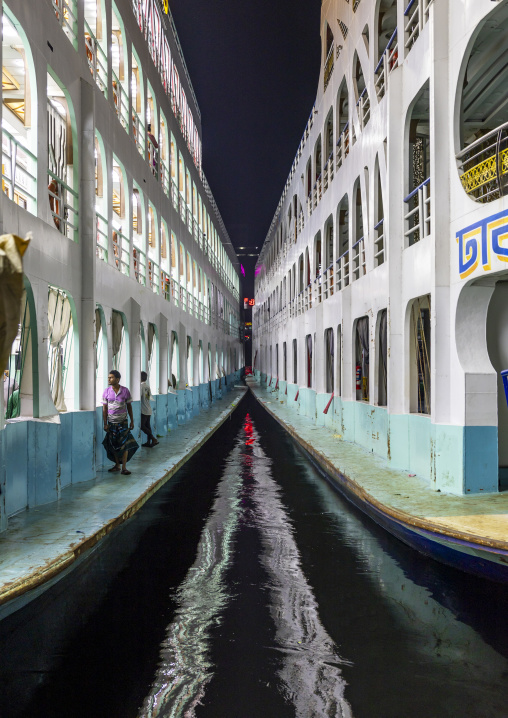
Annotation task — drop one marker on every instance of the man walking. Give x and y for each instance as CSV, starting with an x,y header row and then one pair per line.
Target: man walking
x,y
119,443
146,412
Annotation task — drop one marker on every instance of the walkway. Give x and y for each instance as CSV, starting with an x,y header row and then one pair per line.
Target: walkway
x,y
406,498
42,544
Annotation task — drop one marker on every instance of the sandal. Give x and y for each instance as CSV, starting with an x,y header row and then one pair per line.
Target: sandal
x,y
147,443
154,443
126,472
114,468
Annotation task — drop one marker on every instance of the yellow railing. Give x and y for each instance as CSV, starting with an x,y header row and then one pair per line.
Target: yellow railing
x,y
484,172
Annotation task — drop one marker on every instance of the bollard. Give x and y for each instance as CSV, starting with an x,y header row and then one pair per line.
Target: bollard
x,y
504,375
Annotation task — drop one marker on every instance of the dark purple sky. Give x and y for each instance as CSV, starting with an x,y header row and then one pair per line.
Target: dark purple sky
x,y
254,65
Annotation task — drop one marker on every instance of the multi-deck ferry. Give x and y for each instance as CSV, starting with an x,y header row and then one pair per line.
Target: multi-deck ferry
x,y
130,265
381,289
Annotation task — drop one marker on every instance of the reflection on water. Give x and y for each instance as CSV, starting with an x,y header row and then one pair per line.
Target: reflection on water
x,y
309,674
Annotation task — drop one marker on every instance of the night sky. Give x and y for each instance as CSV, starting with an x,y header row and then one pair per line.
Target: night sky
x,y
254,65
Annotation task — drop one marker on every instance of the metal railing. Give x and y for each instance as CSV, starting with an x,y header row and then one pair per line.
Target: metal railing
x,y
363,108
62,202
329,66
318,289
67,16
121,252
328,172
342,271
97,60
165,286
102,237
183,208
164,178
174,194
175,292
19,173
417,218
328,282
139,265
388,62
153,276
359,258
483,166
121,102
152,156
417,15
379,243
138,132
343,146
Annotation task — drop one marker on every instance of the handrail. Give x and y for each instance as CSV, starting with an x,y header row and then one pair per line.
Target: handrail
x,y
410,5
343,130
412,194
341,256
65,186
481,140
13,139
358,242
379,223
385,51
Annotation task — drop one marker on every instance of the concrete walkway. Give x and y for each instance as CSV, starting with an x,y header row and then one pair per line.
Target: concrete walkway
x,y
481,519
42,544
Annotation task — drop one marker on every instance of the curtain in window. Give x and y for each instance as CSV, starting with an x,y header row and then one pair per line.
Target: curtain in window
x,y
383,354
59,320
329,361
362,331
309,360
116,336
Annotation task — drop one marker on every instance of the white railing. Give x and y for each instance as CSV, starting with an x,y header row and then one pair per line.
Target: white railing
x,y
175,292
121,102
139,265
63,201
183,208
165,179
343,146
174,194
329,66
342,271
19,173
363,107
67,16
417,218
97,60
379,243
388,62
165,286
307,297
102,237
417,15
359,259
328,282
318,289
153,276
138,132
152,156
328,172
121,252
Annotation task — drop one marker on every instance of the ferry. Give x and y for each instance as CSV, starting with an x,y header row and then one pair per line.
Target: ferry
x,y
129,265
381,290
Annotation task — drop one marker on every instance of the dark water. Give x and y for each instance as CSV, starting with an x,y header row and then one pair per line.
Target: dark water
x,y
248,588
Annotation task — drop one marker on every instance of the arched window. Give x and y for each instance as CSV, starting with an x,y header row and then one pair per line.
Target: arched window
x,y
19,117
101,353
417,213
419,352
63,198
382,357
342,123
153,358
379,221
342,263
101,207
152,145
119,199
387,45
329,360
361,94
164,155
120,345
119,68
362,354
190,363
138,104
138,235
62,367
95,45
308,354
329,55
175,361
358,234
153,250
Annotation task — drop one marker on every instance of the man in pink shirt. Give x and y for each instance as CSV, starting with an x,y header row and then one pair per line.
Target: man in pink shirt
x,y
119,443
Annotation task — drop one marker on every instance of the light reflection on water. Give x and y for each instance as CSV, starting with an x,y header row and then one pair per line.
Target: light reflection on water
x,y
309,674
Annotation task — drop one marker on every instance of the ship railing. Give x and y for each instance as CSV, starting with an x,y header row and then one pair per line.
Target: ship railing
x,y
328,282
379,243
328,172
164,177
175,292
355,5
165,285
139,265
307,299
19,173
195,230
417,218
483,165
417,15
121,102
153,276
200,240
121,251
342,271
329,66
343,146
309,203
301,222
300,303
66,14
183,298
359,258
63,200
174,194
318,191
318,289
97,60
152,156
363,108
101,237
183,208
138,132
388,62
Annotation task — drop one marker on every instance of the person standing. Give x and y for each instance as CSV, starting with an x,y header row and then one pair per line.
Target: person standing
x,y
119,443
146,412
